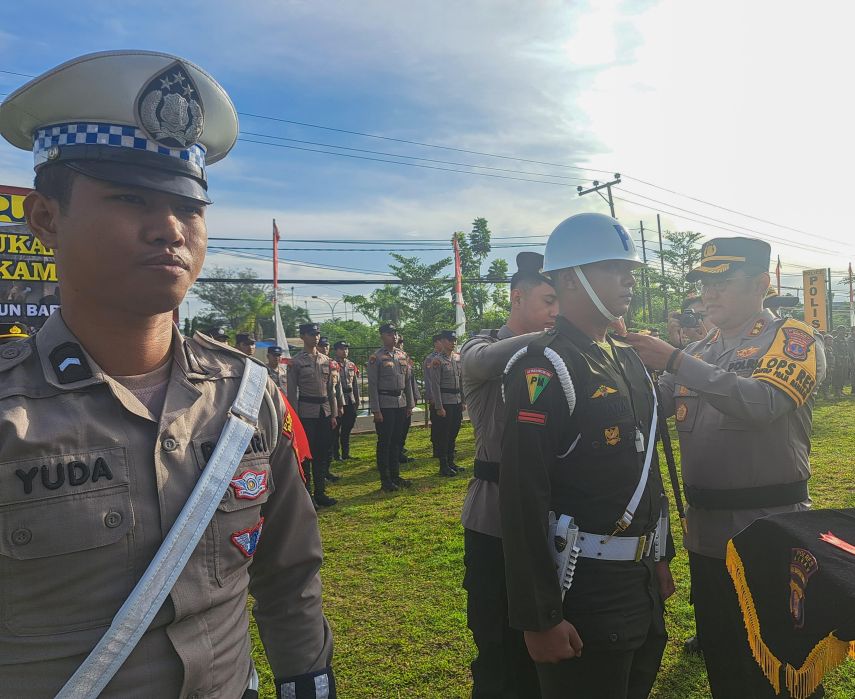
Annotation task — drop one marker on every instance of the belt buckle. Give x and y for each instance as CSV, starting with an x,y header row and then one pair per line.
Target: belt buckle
x,y
640,550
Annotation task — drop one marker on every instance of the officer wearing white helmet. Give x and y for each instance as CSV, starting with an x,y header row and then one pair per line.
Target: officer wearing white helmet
x,y
579,484
148,481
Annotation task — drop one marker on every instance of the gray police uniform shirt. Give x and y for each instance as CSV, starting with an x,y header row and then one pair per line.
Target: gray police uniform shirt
x,y
310,376
483,361
349,381
425,368
743,410
446,382
389,371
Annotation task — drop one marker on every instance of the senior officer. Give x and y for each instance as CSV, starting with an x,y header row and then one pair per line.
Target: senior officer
x,y
311,390
503,667
742,399
349,380
390,399
579,440
445,390
103,435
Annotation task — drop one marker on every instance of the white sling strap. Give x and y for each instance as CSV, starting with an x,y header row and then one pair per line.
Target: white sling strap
x,y
136,614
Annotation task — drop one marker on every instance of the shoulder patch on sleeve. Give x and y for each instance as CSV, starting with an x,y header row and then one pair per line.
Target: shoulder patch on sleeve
x,y
790,362
372,359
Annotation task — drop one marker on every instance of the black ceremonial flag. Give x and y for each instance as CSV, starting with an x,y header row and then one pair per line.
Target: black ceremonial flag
x,y
794,575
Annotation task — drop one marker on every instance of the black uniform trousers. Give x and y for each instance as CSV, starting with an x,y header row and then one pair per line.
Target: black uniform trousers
x,y
731,668
344,428
319,434
433,430
503,668
390,434
407,422
447,429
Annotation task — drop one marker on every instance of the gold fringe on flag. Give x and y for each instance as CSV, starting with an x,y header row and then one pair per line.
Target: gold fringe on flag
x,y
769,664
852,650
825,656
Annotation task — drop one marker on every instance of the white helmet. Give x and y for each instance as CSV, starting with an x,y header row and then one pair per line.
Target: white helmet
x,y
585,238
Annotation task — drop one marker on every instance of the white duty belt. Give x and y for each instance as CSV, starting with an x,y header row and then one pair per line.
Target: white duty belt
x,y
136,614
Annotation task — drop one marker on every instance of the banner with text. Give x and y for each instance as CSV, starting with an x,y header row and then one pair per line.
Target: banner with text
x,y
816,299
28,287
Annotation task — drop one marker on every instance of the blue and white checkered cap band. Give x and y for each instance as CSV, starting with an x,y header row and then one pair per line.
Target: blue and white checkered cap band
x,y
108,135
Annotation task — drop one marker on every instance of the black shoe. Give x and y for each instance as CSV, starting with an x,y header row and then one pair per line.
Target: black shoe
x,y
402,482
346,457
388,487
332,478
447,472
404,459
692,646
325,501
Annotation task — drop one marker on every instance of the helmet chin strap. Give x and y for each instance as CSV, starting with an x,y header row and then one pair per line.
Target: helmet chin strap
x,y
606,313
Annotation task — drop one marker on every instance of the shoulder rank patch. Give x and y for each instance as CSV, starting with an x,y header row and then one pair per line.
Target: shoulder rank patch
x,y
536,380
758,328
789,364
531,417
612,435
247,539
803,565
250,485
70,363
747,352
603,391
435,363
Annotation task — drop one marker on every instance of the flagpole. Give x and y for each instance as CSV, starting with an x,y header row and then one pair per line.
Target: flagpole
x,y
459,314
851,300
281,340
778,274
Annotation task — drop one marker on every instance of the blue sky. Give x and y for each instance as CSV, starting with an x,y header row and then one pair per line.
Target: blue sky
x,y
738,106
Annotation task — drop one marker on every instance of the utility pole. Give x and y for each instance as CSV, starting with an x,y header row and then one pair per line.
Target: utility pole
x,y
645,280
662,263
605,185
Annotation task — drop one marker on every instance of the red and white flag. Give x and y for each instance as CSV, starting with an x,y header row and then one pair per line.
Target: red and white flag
x,y
459,314
281,340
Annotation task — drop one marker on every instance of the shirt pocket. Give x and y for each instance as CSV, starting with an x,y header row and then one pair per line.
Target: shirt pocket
x,y
237,524
66,560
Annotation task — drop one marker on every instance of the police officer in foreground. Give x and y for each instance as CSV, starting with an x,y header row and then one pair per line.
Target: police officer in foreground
x,y
742,399
446,385
10,332
103,435
311,390
503,668
579,441
390,399
277,372
349,381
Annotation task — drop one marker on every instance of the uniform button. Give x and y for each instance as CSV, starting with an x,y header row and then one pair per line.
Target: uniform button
x,y
613,637
21,537
113,519
10,352
169,444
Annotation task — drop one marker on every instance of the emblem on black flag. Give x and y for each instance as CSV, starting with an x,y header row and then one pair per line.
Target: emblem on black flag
x,y
169,108
803,565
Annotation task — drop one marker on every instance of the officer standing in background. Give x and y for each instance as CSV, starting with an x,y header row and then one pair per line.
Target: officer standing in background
x,y
277,372
417,398
850,344
220,334
390,399
445,385
13,331
349,381
437,349
310,389
743,400
843,361
503,668
104,435
324,348
245,343
579,440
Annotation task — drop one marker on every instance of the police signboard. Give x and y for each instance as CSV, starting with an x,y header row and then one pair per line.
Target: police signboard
x,y
28,286
816,299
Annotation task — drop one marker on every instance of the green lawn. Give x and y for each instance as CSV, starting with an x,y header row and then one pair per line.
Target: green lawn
x,y
394,566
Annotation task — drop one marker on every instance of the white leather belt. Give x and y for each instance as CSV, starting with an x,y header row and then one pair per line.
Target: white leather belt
x,y
614,548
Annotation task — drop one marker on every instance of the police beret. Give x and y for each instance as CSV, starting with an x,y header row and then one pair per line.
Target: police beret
x,y
387,328
275,350
309,329
139,118
13,331
324,342
721,257
244,339
341,344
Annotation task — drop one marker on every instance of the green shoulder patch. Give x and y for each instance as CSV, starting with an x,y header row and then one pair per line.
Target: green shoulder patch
x,y
536,380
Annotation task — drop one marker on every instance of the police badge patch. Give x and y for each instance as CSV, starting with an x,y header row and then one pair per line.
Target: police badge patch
x,y
797,343
803,565
249,485
247,539
169,108
612,435
536,380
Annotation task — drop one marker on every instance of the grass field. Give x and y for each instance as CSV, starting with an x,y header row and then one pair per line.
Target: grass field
x,y
394,566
